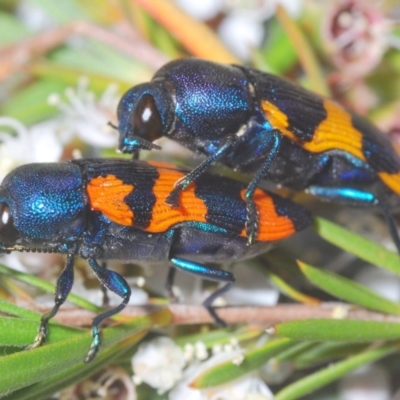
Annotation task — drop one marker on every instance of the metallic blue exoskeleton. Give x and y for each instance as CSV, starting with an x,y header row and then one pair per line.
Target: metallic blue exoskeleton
x,y
114,209
262,124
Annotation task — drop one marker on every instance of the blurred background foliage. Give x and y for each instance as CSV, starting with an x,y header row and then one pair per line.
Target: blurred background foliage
x,y
63,67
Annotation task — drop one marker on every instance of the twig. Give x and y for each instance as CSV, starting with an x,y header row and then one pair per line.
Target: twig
x,y
265,316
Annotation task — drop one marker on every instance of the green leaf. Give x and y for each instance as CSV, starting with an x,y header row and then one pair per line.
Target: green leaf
x,y
290,291
348,290
333,372
344,330
100,60
327,351
17,370
69,76
278,52
227,371
295,351
79,372
364,248
21,332
12,309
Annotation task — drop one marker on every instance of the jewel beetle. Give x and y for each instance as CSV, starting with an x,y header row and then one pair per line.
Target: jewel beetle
x,y
115,209
264,125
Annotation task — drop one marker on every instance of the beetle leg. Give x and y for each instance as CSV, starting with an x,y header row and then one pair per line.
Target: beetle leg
x,y
183,183
170,284
252,215
63,287
392,227
358,198
212,274
117,284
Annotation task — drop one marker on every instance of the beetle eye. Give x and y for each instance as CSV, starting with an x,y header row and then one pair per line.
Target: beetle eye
x,y
5,217
8,232
146,120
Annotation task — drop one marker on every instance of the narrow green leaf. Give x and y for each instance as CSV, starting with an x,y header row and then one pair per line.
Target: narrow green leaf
x,y
12,309
363,248
79,372
294,351
21,332
16,370
100,60
227,371
327,351
348,290
346,330
290,291
333,372
278,52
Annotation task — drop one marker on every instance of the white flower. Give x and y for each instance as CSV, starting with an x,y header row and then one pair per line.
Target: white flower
x,y
86,117
33,16
241,34
159,363
242,30
82,116
202,10
39,143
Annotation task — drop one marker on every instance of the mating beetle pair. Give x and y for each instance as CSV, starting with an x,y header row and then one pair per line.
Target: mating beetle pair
x,y
250,121
264,125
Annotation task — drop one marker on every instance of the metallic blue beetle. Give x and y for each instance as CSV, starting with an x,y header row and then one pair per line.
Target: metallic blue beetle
x,y
261,124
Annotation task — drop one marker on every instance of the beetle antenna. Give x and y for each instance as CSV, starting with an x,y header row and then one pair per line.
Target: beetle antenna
x,y
109,123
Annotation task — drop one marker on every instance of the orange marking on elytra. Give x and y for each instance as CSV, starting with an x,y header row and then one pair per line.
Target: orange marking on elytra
x,y
271,226
107,194
335,132
191,208
391,180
